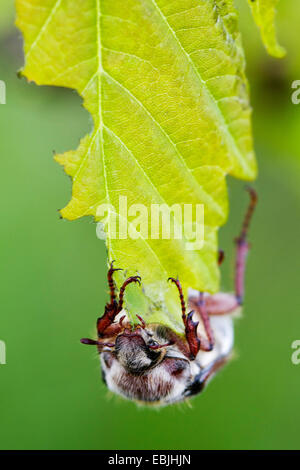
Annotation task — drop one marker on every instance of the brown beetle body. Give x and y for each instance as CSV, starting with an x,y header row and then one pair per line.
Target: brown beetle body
x,y
152,364
167,375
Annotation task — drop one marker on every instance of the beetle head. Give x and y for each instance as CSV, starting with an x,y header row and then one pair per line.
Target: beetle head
x,y
146,366
134,352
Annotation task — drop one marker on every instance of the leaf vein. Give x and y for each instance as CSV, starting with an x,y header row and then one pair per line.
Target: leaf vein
x,y
44,26
210,95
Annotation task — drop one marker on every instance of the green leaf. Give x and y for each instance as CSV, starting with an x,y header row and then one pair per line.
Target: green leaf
x,y
264,12
164,82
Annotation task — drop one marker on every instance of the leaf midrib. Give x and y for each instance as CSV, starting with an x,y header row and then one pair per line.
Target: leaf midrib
x,y
101,125
147,177
100,69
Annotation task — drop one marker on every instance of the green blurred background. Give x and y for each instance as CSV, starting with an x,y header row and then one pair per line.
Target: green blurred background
x,y
53,286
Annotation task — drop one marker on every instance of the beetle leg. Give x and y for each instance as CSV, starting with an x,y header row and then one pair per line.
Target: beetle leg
x,y
110,308
122,290
114,307
143,323
243,248
182,302
217,304
205,375
111,282
107,319
189,325
223,303
191,335
221,257
206,344
210,370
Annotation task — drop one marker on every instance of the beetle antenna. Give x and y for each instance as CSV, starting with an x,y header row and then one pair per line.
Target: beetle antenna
x,y
243,248
92,342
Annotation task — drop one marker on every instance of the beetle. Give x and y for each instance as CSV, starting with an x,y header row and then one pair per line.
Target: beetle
x,y
151,363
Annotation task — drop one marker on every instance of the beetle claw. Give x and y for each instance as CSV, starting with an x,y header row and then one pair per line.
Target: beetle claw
x,y
191,335
143,323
